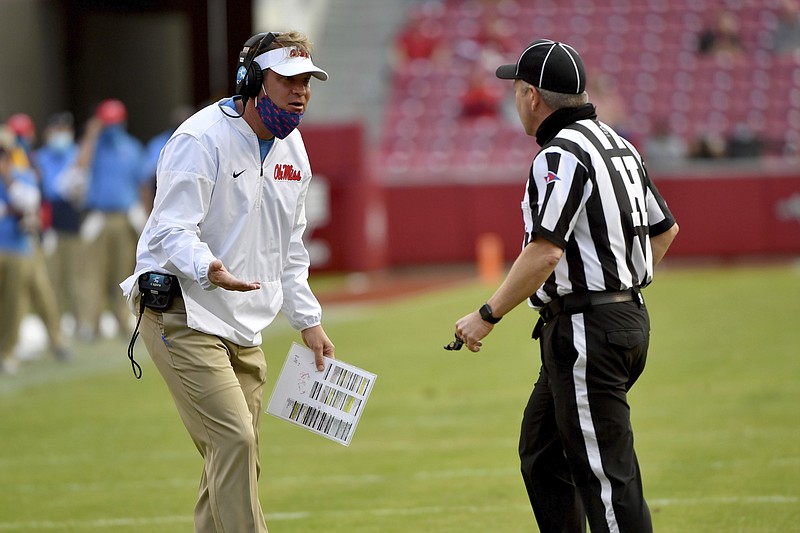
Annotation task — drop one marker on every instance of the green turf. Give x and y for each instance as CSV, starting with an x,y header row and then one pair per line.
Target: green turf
x,y
86,447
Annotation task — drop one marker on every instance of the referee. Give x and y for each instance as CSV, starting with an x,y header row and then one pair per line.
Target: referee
x,y
595,227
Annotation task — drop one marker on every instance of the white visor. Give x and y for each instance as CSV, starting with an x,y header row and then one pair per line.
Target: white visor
x,y
289,61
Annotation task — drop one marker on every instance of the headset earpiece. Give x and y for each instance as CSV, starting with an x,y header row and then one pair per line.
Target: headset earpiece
x,y
251,85
248,75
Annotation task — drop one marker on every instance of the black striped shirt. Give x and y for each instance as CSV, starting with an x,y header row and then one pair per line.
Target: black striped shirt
x,y
589,193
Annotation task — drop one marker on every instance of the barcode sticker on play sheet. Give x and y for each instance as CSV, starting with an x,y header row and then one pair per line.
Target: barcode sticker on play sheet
x,y
317,420
327,402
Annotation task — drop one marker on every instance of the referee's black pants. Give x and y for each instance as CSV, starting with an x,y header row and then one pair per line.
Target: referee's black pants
x,y
576,442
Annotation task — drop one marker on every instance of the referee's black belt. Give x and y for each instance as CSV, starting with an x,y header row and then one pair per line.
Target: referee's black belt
x,y
579,302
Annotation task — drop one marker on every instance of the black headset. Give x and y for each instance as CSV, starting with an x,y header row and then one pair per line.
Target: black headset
x,y
248,74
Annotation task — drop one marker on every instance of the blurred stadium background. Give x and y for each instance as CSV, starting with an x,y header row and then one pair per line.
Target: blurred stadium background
x,y
416,145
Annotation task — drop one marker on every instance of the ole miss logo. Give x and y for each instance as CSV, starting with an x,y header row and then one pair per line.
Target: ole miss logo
x,y
286,173
296,52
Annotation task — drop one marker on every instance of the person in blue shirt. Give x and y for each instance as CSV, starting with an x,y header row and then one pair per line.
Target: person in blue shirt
x,y
19,200
153,152
40,296
113,160
65,251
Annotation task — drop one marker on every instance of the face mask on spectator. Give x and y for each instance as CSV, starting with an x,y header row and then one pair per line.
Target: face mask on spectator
x,y
60,141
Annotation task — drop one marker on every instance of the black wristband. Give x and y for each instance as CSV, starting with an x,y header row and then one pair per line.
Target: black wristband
x,y
486,314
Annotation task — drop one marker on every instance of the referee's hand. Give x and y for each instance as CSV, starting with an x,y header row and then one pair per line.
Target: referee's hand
x,y
471,329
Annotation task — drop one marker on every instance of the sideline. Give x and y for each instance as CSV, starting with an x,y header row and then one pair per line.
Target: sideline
x,y
101,357
345,298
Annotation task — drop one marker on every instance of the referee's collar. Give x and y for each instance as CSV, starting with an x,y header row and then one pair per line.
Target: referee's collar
x,y
560,119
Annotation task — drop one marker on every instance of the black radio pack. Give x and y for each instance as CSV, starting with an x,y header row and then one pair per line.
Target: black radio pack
x,y
158,290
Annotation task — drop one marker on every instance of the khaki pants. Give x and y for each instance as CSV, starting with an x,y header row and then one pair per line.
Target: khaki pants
x,y
111,257
14,272
65,267
41,297
217,387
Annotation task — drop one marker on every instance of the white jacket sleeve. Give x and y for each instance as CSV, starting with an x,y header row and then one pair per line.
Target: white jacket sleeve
x,y
300,306
185,182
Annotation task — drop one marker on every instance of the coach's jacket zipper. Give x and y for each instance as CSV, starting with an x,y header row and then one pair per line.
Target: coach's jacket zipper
x,y
260,194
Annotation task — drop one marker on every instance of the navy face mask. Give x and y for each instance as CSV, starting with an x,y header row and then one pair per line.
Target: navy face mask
x,y
278,121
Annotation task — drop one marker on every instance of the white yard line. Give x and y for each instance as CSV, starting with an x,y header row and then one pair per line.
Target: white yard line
x,y
336,479
725,500
400,511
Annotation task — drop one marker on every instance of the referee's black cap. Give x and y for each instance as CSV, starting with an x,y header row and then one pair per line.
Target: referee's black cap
x,y
548,65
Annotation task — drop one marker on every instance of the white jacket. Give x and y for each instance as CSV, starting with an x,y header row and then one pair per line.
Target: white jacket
x,y
216,200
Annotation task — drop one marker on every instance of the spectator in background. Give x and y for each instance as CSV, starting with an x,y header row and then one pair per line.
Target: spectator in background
x,y
19,197
152,152
478,44
495,40
113,161
744,142
62,244
709,145
482,40
663,147
23,127
611,107
419,40
722,40
482,98
40,293
786,35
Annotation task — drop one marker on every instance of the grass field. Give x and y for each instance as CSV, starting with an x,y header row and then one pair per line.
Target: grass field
x,y
86,447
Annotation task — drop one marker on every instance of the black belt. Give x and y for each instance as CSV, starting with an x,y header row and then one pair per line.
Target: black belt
x,y
579,302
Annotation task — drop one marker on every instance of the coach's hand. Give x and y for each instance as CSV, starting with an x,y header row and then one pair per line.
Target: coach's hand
x,y
471,329
219,276
316,339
